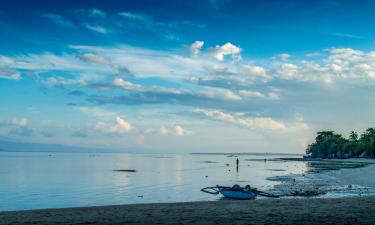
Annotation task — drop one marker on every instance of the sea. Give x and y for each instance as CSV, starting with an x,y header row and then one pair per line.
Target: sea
x,y
39,180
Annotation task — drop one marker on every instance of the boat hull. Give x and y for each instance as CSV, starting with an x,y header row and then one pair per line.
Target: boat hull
x,y
237,194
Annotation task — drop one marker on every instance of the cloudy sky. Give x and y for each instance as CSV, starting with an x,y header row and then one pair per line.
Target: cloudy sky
x,y
185,76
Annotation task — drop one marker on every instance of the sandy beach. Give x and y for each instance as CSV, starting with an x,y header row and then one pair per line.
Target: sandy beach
x,y
267,211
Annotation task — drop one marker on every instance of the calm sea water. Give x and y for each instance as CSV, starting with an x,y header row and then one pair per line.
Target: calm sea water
x,y
55,180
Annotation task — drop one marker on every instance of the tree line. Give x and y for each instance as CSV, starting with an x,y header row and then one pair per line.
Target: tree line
x,y
328,144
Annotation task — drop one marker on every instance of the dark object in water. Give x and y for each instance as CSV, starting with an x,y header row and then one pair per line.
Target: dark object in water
x,y
209,162
308,193
130,171
237,192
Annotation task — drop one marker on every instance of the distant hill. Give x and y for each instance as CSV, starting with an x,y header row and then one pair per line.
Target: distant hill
x,y
9,145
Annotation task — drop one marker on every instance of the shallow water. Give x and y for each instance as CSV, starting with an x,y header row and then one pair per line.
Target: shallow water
x,y
55,180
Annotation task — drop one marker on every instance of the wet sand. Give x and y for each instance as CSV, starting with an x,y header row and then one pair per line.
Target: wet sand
x,y
360,176
266,211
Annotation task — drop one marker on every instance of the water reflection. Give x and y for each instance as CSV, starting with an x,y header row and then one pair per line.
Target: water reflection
x,y
37,180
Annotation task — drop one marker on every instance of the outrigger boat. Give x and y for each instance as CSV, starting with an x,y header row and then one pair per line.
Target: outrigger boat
x,y
237,192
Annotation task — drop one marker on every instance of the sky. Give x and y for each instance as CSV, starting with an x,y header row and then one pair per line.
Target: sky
x,y
185,76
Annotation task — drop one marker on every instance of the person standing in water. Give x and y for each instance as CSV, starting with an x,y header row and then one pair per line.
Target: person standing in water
x,y
237,162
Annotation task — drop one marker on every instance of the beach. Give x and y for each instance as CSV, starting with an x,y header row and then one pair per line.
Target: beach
x,y
355,210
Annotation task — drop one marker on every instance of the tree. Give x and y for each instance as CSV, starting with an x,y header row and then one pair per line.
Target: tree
x,y
328,144
353,136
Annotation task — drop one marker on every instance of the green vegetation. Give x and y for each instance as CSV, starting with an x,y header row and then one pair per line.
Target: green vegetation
x,y
328,144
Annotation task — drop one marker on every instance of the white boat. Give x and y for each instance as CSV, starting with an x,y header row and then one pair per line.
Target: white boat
x,y
235,192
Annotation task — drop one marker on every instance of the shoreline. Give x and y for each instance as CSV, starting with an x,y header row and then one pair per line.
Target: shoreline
x,y
347,210
329,178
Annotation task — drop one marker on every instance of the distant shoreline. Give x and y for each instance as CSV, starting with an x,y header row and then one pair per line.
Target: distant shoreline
x,y
245,153
355,210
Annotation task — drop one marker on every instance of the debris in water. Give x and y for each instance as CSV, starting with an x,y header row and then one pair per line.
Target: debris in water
x,y
130,171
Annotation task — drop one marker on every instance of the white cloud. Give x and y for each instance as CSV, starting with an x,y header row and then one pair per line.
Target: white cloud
x,y
96,28
94,58
283,56
273,96
180,131
9,74
195,48
264,123
250,94
345,35
339,64
220,51
257,94
163,130
97,13
19,122
6,61
59,20
287,70
127,85
121,126
135,16
59,81
255,70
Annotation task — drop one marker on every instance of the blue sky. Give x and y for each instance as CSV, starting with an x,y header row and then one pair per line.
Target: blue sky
x,y
185,76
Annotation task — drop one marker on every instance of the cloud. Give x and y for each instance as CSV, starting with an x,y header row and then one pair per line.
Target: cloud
x,y
255,70
195,48
273,96
220,51
250,94
57,19
161,95
283,56
188,81
127,85
180,131
89,57
6,61
163,130
351,36
96,28
97,13
18,126
287,70
263,123
22,122
339,63
121,126
9,74
135,16
19,122
59,81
